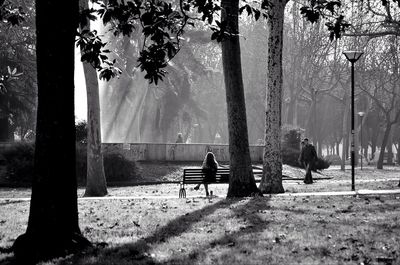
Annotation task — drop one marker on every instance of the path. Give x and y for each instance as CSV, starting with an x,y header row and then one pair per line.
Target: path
x,y
303,194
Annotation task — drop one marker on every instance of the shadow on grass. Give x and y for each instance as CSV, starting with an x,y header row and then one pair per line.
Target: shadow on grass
x,y
137,252
10,202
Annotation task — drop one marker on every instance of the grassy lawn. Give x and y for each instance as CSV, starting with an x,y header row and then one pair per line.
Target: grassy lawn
x,y
368,178
268,230
276,230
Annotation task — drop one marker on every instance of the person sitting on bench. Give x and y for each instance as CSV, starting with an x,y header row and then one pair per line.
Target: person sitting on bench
x,y
210,166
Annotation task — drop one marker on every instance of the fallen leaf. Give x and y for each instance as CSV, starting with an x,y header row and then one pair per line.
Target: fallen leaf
x,y
231,244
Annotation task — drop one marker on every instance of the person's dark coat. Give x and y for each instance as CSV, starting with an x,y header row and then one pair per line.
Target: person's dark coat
x,y
308,154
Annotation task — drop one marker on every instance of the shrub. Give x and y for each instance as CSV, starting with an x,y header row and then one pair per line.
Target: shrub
x,y
333,159
116,166
321,164
290,157
19,162
81,132
292,140
291,151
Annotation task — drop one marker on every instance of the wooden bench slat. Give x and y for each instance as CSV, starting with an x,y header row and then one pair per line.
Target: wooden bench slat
x,y
197,176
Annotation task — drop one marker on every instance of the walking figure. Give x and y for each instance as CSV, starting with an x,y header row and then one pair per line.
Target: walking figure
x,y
308,157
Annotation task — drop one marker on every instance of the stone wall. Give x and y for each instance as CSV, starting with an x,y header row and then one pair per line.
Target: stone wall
x,y
177,152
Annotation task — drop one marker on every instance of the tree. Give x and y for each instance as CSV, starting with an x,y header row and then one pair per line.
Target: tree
x,y
95,179
272,166
380,83
162,45
241,179
17,72
53,228
271,181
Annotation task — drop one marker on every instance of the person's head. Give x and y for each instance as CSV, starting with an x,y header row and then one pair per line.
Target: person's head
x,y
210,158
302,144
179,135
305,141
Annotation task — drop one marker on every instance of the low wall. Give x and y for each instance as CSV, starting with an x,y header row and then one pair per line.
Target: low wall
x,y
177,152
172,152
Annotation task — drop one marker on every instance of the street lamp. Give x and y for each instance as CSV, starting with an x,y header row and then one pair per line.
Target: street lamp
x,y
353,57
361,114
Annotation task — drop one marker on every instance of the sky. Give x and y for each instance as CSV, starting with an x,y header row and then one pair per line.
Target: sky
x,y
80,89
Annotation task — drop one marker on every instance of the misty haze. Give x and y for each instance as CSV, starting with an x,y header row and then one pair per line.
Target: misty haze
x,y
199,132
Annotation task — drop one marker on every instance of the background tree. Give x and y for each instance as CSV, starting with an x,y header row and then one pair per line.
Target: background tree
x,y
95,178
18,72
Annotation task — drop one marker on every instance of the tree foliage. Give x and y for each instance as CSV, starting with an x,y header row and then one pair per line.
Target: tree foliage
x,y
163,26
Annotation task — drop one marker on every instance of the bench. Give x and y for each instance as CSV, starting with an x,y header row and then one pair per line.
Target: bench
x,y
196,176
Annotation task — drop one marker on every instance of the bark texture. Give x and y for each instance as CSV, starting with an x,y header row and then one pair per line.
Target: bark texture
x,y
53,228
271,181
241,181
95,178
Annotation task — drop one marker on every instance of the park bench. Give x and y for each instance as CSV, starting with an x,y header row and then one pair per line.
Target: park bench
x,y
196,176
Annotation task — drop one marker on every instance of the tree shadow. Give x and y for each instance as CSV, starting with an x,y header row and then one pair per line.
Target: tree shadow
x,y
138,252
10,202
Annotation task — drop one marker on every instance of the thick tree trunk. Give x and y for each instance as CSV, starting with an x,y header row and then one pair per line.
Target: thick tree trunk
x,y
271,181
241,180
95,178
53,228
384,144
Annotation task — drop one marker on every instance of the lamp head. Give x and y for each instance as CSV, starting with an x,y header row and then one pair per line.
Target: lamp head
x,y
361,114
353,56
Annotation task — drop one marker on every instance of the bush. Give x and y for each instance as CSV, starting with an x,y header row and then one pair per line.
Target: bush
x,y
292,140
291,151
333,159
81,132
290,157
116,166
19,162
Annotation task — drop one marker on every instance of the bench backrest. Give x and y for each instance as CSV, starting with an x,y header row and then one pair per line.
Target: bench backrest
x,y
196,175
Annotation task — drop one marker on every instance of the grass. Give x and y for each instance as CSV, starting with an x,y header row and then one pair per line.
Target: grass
x,y
276,230
268,230
368,178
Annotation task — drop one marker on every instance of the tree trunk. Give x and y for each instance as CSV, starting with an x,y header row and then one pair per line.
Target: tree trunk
x,y
384,144
345,122
337,148
241,180
95,178
53,228
271,181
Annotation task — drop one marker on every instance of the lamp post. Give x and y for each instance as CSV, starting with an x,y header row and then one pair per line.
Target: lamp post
x,y
353,57
361,114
